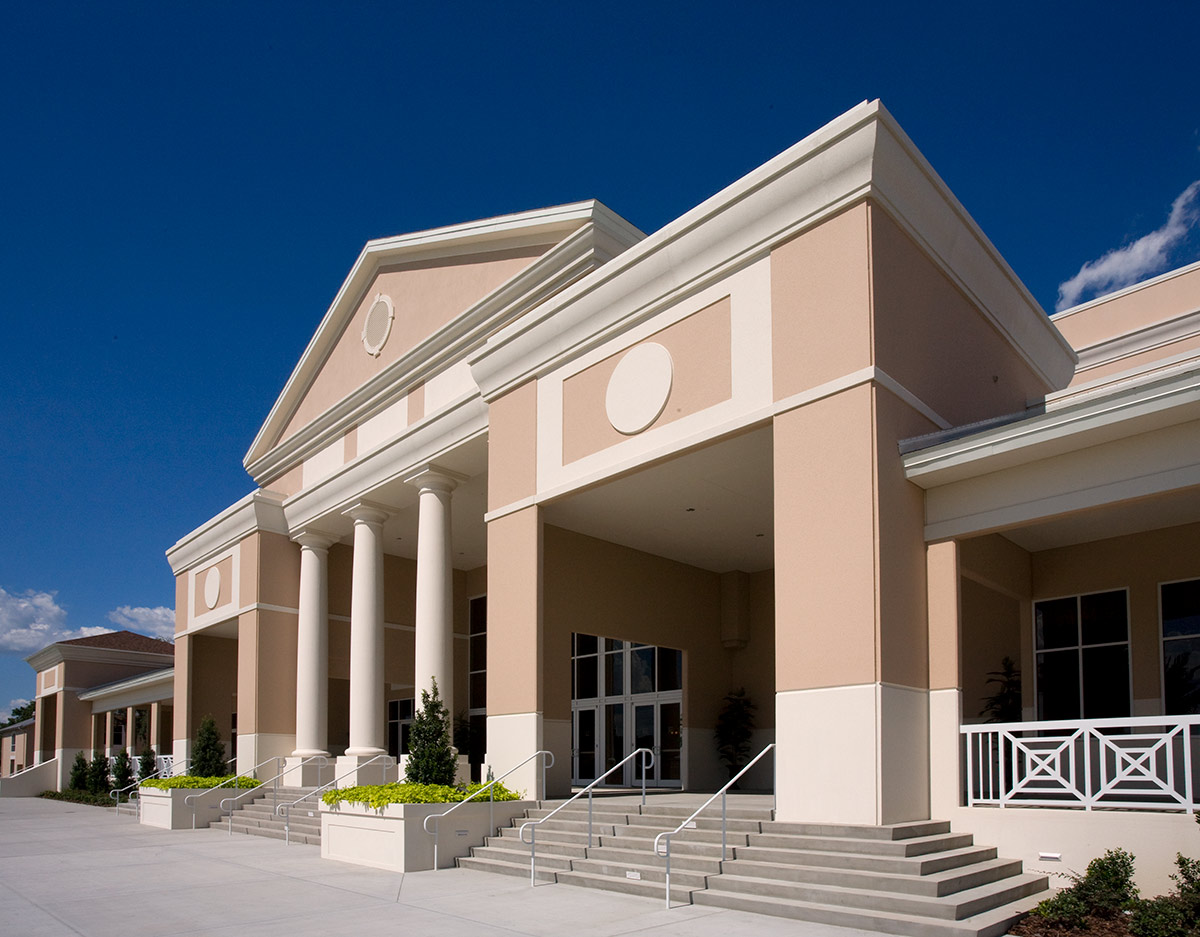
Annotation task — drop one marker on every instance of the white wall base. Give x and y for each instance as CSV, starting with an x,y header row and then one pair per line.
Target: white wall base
x,y
513,738
945,760
853,754
313,774
32,781
354,770
254,748
1079,836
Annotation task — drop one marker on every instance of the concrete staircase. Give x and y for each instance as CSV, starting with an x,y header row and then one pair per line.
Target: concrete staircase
x,y
917,879
256,815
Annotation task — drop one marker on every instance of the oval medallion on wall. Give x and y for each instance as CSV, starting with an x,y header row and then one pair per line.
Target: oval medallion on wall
x,y
639,387
212,587
378,325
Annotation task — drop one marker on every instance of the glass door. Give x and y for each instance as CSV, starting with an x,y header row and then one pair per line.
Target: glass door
x,y
585,749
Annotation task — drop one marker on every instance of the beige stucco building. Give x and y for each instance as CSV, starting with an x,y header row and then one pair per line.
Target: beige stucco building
x,y
813,439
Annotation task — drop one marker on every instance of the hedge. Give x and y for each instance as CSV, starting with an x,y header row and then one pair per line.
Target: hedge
x,y
191,780
380,795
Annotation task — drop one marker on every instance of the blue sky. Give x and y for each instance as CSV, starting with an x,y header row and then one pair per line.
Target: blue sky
x,y
183,188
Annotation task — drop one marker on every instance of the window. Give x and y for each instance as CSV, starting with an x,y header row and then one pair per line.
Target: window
x,y
400,720
476,741
1179,608
1082,645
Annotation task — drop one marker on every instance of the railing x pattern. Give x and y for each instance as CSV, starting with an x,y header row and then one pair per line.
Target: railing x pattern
x,y
1134,763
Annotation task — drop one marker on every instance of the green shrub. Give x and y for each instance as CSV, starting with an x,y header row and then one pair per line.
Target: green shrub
x,y
380,795
79,797
203,783
122,770
97,774
208,754
1164,916
1104,890
79,773
147,764
431,760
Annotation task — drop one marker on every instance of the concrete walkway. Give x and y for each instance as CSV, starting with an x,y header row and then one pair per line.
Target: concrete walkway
x,y
75,870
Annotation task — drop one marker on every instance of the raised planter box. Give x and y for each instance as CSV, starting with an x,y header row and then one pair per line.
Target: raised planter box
x,y
168,810
394,838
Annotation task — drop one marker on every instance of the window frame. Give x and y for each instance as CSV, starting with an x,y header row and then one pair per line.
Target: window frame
x,y
1079,646
1163,639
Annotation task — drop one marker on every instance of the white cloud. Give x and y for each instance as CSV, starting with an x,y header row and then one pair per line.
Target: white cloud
x,y
6,713
1136,261
157,622
30,620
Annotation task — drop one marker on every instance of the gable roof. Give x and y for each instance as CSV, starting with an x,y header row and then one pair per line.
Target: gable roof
x,y
124,641
580,236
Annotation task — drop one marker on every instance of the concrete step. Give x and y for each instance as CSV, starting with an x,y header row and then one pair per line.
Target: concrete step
x,y
902,865
661,823
681,811
645,889
554,863
989,924
484,864
644,872
550,836
935,884
569,850
710,865
647,834
913,846
894,831
954,907
309,839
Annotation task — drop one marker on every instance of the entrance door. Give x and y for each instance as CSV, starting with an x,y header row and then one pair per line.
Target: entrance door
x,y
626,696
585,745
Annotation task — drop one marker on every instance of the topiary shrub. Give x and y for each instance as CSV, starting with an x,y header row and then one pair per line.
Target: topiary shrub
x,y
79,773
97,774
122,770
147,764
431,760
735,727
208,752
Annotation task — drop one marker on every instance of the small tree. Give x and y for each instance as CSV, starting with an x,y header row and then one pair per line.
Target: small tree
x,y
1005,704
122,771
431,760
147,763
97,773
208,754
79,773
735,726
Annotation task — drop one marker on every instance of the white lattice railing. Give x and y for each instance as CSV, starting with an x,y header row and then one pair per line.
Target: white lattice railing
x,y
1137,763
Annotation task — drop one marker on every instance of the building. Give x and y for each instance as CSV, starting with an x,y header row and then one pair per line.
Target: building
x,y
16,747
93,695
813,439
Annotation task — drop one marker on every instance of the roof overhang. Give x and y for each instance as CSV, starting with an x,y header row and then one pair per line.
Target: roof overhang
x,y
861,155
144,688
57,653
1138,440
259,510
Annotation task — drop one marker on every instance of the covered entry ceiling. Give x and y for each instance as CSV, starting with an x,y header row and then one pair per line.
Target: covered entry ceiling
x,y
711,507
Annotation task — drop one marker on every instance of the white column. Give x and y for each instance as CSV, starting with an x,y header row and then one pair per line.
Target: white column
x,y
434,650
312,647
366,632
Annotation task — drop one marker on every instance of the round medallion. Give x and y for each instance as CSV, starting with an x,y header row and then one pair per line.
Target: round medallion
x,y
212,587
638,388
378,325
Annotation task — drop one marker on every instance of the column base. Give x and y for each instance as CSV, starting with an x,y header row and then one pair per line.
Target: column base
x,y
359,772
313,774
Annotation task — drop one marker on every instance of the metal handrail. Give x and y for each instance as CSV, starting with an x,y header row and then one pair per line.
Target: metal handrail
x,y
491,800
287,808
722,794
532,841
116,793
190,800
286,770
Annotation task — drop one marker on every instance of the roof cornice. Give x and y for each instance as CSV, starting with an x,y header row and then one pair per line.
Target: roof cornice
x,y
259,510
1128,409
57,653
583,235
141,681
862,154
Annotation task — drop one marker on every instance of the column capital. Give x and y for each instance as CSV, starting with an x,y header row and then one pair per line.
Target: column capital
x,y
314,539
372,512
436,478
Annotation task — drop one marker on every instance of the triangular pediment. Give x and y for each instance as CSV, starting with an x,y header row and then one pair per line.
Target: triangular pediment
x,y
411,301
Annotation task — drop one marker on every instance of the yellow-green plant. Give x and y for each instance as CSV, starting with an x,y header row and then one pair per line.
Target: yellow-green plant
x,y
191,780
379,796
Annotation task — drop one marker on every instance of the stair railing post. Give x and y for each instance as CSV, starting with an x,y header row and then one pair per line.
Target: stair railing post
x,y
533,857
589,819
668,873
643,778
723,797
545,792
437,829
